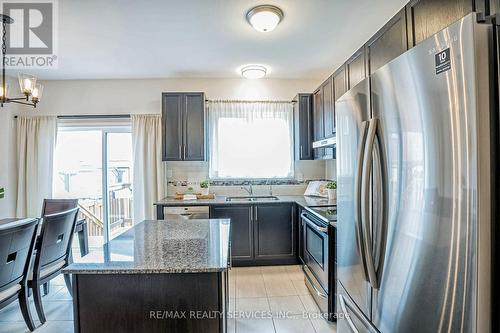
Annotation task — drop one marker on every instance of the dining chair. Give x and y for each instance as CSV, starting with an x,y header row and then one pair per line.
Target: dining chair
x,y
52,206
53,253
17,240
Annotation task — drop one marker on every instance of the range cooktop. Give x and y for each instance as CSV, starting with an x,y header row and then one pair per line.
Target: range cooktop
x,y
327,213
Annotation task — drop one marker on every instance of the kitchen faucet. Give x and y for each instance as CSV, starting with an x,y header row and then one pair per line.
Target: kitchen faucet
x,y
249,189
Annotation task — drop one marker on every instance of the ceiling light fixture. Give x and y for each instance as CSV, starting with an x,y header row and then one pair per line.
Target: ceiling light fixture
x,y
264,18
27,83
253,71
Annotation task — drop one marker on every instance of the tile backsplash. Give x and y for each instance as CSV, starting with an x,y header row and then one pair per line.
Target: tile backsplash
x,y
180,175
331,169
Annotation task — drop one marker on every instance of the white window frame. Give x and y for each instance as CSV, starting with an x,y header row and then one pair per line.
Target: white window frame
x,y
211,119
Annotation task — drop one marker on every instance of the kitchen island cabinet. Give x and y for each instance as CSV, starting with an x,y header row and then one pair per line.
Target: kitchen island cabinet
x,y
159,276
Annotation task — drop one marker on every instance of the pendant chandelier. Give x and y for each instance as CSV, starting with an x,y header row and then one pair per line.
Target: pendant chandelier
x,y
31,90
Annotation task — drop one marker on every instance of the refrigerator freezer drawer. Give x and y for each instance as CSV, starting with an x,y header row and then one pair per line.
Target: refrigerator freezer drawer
x,y
349,317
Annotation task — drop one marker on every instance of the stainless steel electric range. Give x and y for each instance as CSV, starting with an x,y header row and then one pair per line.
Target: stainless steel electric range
x,y
318,239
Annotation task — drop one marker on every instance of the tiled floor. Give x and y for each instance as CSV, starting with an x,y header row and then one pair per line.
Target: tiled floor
x,y
270,299
273,299
58,307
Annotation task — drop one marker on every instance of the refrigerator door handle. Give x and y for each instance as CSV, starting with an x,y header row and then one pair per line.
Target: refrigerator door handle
x,y
357,197
365,199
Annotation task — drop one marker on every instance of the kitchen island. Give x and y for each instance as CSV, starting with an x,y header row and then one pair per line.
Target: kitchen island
x,y
159,276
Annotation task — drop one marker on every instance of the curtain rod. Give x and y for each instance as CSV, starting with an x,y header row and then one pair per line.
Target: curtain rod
x,y
93,116
244,101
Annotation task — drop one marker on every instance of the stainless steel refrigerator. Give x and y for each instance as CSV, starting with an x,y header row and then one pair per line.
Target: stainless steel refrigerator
x,y
414,166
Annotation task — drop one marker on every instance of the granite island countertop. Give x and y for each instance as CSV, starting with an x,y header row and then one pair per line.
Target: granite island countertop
x,y
304,201
161,246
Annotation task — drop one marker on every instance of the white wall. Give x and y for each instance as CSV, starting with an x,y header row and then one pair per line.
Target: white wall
x,y
8,174
144,96
70,97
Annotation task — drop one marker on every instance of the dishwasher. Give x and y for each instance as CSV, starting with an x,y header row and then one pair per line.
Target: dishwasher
x,y
187,212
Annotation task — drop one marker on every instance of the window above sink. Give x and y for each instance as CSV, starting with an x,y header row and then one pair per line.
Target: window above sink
x,y
250,140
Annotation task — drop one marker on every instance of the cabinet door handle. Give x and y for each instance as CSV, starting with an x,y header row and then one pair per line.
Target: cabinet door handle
x,y
301,151
184,151
180,151
256,215
251,213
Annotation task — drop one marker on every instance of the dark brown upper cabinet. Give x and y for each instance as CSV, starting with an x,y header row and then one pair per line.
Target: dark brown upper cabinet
x,y
328,107
356,68
303,126
340,83
427,17
183,126
318,122
388,43
324,111
323,115
318,119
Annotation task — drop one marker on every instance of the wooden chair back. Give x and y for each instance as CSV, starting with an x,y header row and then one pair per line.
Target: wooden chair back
x,y
16,248
52,206
56,235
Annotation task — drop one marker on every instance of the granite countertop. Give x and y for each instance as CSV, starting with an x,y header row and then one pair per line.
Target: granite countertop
x,y
304,201
161,246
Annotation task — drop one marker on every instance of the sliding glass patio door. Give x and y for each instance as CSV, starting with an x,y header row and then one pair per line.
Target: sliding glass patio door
x,y
118,182
94,165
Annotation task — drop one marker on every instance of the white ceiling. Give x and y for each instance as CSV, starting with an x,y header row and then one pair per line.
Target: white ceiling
x,y
115,39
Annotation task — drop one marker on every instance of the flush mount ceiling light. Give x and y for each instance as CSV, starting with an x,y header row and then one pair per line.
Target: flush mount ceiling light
x,y
264,18
31,90
253,71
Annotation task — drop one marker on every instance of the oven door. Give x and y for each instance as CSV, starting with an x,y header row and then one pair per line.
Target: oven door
x,y
316,250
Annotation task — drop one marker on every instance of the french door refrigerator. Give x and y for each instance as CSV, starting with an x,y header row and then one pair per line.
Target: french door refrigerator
x,y
414,168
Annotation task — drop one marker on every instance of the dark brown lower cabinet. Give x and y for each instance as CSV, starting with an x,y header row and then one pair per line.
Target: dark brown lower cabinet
x,y
261,234
241,229
274,232
180,302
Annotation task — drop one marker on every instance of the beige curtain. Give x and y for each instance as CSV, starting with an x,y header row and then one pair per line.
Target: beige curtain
x,y
36,141
149,176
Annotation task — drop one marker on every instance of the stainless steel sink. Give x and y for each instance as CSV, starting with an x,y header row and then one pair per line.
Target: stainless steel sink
x,y
253,198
